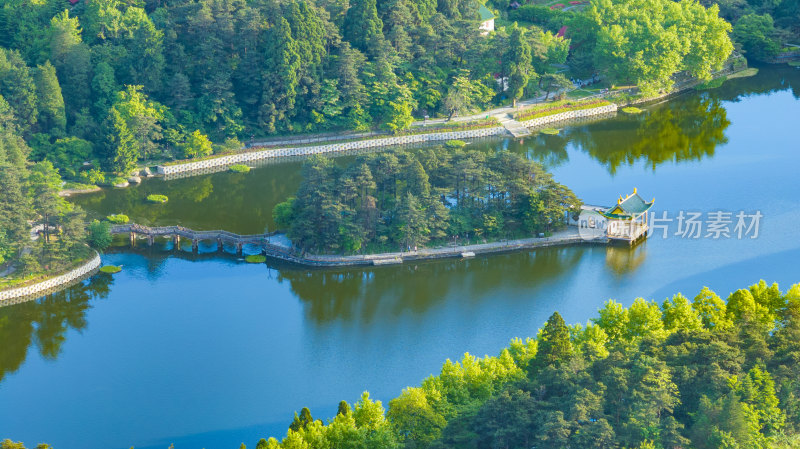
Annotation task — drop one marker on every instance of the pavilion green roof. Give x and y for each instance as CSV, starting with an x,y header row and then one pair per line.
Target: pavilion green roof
x,y
632,206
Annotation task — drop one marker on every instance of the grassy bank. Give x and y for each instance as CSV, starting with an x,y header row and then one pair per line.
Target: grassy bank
x,y
557,107
16,280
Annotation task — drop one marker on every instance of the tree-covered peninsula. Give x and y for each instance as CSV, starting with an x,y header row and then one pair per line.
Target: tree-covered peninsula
x,y
404,200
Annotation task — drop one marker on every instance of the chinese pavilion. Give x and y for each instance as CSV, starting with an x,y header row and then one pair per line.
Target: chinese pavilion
x,y
627,220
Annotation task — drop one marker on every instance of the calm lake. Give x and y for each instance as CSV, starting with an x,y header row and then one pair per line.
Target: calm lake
x,y
207,351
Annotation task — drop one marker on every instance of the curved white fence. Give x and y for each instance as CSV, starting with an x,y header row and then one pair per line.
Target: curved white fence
x,y
51,283
569,115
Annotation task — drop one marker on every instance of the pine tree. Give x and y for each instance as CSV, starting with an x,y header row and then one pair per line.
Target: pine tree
x,y
18,89
120,146
344,408
300,422
52,116
15,208
518,59
362,26
281,80
554,347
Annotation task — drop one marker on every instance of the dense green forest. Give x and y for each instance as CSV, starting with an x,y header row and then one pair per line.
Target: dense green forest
x,y
703,373
118,83
401,200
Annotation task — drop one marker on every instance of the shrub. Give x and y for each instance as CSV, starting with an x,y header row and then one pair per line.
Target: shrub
x,y
110,269
118,218
115,180
255,258
153,198
239,168
283,213
196,145
93,176
712,84
632,110
455,144
99,234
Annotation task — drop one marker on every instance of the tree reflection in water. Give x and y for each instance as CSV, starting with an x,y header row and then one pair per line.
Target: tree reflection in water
x,y
386,292
686,129
44,322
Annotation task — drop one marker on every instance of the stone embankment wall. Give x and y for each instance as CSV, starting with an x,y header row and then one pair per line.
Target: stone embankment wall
x,y
10,296
569,115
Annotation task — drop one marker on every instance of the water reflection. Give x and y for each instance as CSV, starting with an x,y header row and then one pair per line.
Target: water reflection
x,y
687,129
43,323
364,295
624,259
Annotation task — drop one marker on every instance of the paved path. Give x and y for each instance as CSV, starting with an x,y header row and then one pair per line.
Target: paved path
x,y
277,246
565,237
516,128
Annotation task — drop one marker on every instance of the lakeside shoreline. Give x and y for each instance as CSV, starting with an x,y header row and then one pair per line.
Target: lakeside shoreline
x,y
271,153
284,251
567,237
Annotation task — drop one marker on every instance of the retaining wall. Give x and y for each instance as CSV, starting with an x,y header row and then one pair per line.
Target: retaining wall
x,y
569,115
40,288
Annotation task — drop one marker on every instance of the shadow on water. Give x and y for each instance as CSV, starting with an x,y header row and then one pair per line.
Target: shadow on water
x,y
43,323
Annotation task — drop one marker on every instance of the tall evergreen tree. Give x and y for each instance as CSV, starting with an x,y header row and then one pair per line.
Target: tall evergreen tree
x,y
362,27
18,88
518,63
554,347
120,147
281,80
52,115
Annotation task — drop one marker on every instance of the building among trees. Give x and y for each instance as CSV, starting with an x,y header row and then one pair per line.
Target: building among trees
x,y
487,20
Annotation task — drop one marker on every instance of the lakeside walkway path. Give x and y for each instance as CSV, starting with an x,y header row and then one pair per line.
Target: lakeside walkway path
x,y
565,237
277,246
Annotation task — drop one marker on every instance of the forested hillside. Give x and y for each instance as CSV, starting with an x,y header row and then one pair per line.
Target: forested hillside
x,y
117,83
702,373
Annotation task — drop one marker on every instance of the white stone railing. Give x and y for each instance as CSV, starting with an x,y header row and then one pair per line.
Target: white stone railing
x,y
569,115
52,283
